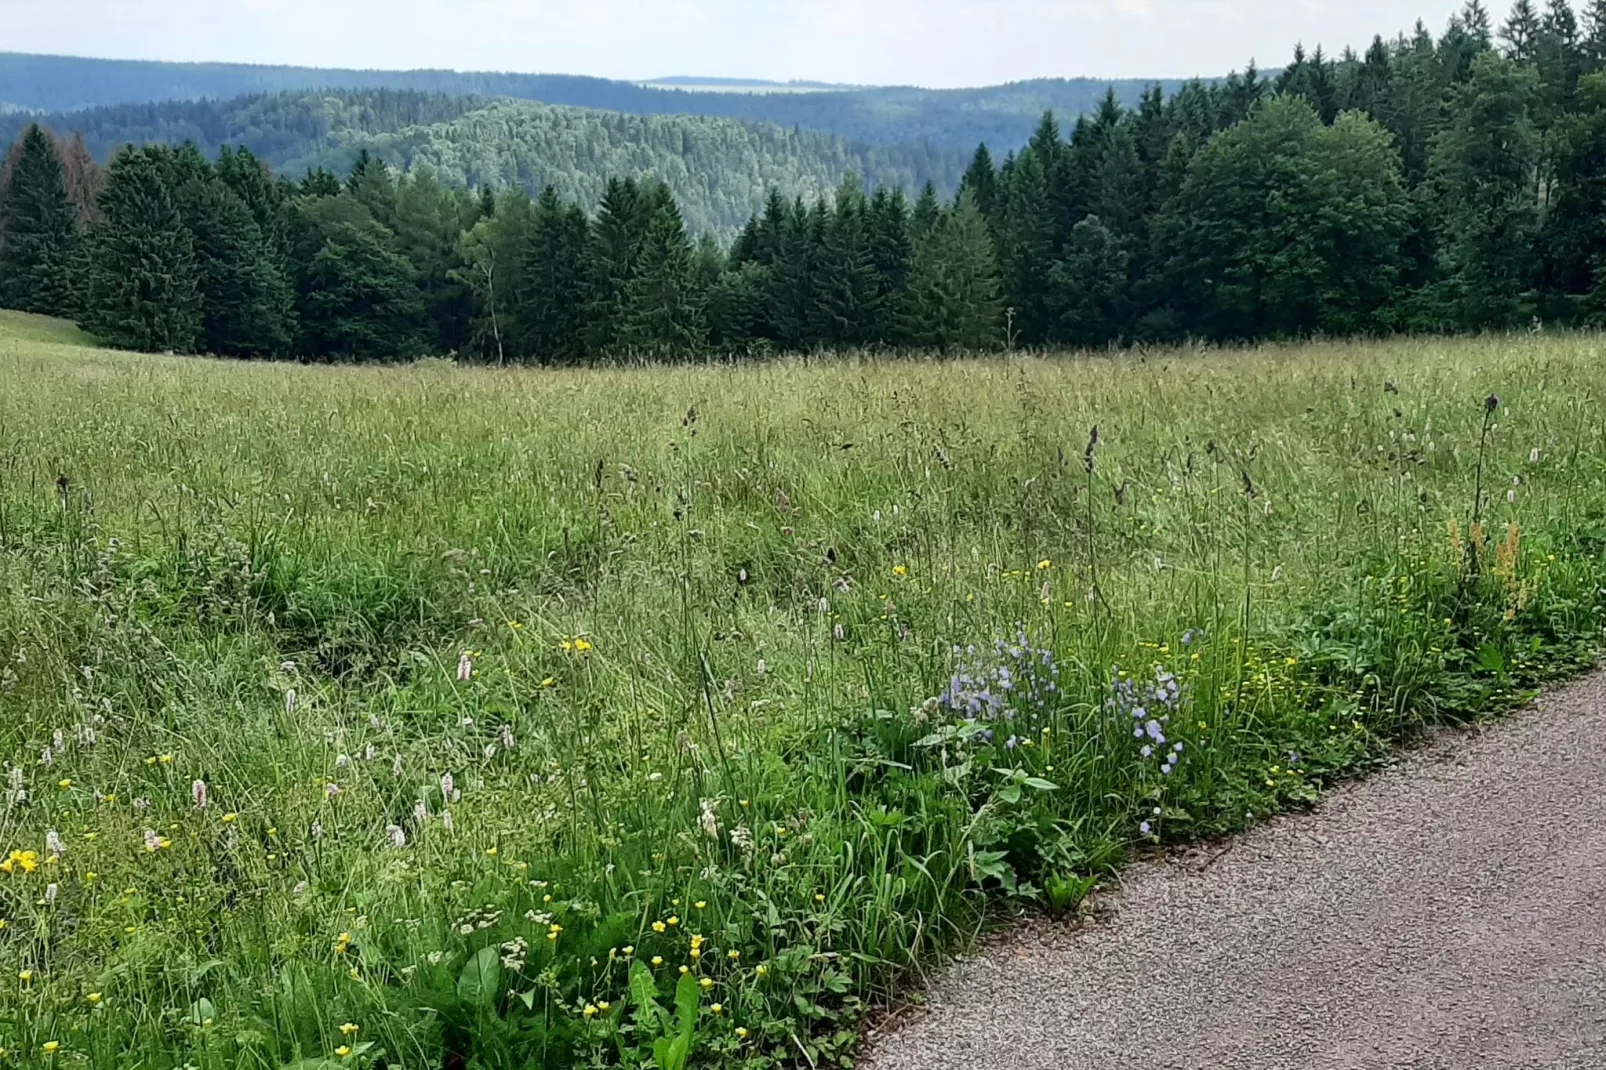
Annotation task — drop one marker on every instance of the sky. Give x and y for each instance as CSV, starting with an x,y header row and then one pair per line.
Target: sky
x,y
935,43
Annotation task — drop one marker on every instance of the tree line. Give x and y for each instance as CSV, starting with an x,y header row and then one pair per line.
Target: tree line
x,y
1430,184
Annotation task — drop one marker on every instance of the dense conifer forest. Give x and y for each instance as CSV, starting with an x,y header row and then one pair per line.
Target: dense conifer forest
x,y
1430,184
1002,116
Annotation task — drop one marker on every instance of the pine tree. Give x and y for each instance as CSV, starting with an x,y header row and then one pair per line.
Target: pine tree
x,y
142,287
953,302
38,231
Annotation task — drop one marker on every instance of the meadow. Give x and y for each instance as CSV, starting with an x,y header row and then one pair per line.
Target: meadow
x,y
440,717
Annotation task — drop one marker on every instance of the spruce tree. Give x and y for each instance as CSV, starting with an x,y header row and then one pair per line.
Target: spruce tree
x,y
1484,167
1088,287
38,231
613,258
981,181
247,306
663,312
844,307
357,296
142,287
1521,32
891,251
549,319
953,302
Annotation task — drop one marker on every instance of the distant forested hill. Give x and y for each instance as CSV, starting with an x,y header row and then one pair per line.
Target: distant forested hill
x,y
719,169
1001,116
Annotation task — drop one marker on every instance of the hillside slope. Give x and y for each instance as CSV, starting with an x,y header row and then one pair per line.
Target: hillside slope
x,y
720,170
1002,116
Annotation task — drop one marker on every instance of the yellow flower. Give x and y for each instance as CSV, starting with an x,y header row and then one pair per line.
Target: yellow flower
x,y
25,976
657,926
492,852
549,682
1044,565
761,971
582,645
673,921
900,570
706,983
717,1008
94,999
741,1033
630,949
590,1011
818,898
166,759
51,1047
733,955
701,904
685,970
229,819
64,784
349,1029
344,1051
657,960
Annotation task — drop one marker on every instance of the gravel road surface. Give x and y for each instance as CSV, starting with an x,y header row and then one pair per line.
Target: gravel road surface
x,y
1447,913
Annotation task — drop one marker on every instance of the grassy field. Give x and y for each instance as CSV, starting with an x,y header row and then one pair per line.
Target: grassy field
x,y
445,718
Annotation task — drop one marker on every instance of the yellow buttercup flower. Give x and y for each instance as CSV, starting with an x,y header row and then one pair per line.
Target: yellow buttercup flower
x,y
343,1052
349,1029
51,1047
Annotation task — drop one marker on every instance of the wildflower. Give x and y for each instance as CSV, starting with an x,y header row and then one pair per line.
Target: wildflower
x,y
198,794
397,836
741,1033
701,904
900,570
25,976
604,1006
733,955
333,790
658,926
155,842
344,1051
53,844
349,1029
706,983
657,960
549,682
1533,456
761,971
1044,565
707,820
507,737
446,820
51,891
1146,828
716,1008
290,701
51,1047
93,999
465,668
64,784
590,1012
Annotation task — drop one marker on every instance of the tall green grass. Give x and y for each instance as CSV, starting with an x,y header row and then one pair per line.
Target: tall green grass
x,y
703,612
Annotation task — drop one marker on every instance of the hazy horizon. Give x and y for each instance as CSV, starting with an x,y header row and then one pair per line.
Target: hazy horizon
x,y
935,43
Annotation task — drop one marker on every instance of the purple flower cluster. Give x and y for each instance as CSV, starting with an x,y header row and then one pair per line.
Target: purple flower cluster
x,y
1148,708
1012,686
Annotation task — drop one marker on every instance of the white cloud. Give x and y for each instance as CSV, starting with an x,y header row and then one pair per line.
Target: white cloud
x,y
925,42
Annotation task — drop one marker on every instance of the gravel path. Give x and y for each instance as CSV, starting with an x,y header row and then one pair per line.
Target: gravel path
x,y
1450,912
